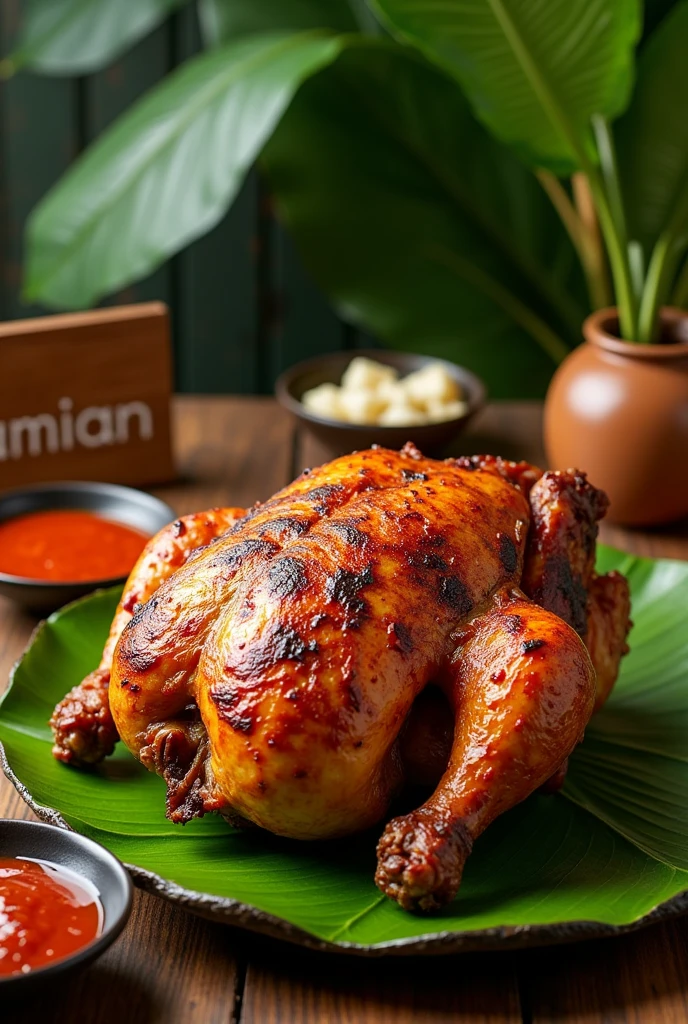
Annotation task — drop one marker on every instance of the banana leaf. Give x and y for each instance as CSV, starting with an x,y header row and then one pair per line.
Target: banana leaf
x,y
605,854
535,73
167,171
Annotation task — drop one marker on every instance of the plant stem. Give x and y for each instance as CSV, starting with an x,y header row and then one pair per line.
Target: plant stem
x,y
661,272
606,193
598,268
549,340
610,173
562,204
656,275
618,258
636,261
583,243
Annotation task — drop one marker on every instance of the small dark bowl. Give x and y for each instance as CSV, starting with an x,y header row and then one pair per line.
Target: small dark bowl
x,y
431,438
122,504
86,858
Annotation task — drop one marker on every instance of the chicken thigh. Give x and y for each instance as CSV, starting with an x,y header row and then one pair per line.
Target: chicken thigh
x,y
274,676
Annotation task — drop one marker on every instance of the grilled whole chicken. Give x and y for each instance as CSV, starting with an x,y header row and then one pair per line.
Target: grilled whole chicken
x,y
385,617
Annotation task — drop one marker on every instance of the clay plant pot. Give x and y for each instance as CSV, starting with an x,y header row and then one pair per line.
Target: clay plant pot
x,y
619,411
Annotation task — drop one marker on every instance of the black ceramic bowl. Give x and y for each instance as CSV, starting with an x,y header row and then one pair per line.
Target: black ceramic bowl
x,y
339,437
86,858
122,504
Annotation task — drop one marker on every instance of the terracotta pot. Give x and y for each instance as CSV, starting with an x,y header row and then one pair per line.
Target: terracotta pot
x,y
619,411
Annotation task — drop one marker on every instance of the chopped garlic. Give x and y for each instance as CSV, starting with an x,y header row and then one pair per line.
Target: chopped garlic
x,y
371,393
402,414
366,375
324,401
433,383
360,406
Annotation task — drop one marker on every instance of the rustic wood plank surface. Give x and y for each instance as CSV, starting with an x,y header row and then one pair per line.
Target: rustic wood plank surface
x,y
301,988
634,979
306,988
171,967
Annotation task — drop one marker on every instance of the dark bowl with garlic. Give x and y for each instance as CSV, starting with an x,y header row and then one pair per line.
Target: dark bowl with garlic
x,y
352,400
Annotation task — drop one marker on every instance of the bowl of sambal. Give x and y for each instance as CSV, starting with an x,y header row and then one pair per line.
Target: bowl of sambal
x,y
60,541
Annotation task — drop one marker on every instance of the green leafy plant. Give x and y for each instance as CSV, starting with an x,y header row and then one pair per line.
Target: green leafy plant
x,y
417,153
610,849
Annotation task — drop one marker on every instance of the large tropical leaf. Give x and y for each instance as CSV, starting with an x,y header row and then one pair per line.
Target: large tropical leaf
x,y
611,852
632,770
422,228
652,137
166,172
224,20
534,70
74,37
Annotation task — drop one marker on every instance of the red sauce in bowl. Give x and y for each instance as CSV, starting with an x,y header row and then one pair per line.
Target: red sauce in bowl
x,y
46,913
68,546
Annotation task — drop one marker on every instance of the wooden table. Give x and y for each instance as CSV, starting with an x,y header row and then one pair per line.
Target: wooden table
x,y
174,968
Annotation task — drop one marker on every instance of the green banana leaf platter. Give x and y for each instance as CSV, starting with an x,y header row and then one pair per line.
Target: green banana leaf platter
x,y
608,854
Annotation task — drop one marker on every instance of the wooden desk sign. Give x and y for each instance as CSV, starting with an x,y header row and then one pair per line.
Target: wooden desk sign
x,y
85,396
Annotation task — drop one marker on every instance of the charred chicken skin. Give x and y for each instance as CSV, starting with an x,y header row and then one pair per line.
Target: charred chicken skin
x,y
82,723
386,617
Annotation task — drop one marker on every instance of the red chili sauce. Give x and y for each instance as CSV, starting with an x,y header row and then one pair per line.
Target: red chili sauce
x,y
46,914
69,546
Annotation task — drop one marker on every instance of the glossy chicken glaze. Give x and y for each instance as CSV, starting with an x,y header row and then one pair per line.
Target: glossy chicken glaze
x,y
523,687
280,674
84,729
309,676
304,637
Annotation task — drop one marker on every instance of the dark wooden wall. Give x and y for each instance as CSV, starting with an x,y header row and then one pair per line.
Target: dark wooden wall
x,y
243,307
